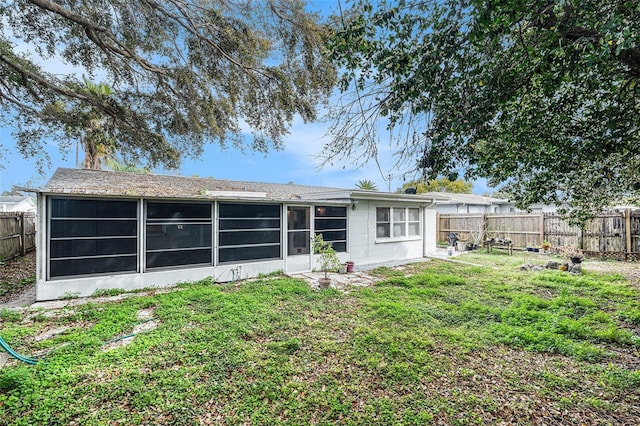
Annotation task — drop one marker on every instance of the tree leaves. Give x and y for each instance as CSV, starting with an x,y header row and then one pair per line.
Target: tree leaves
x,y
183,73
538,98
456,186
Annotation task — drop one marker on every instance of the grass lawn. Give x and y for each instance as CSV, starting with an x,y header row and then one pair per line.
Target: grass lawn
x,y
436,342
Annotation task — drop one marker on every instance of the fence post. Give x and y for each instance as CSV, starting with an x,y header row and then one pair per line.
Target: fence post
x,y
437,227
23,236
579,236
484,229
541,227
627,232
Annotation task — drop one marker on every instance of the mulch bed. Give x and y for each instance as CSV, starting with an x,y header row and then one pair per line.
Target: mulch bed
x,y
16,275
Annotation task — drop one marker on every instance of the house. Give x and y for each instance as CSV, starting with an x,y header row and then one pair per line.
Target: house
x,y
104,229
470,203
473,203
18,203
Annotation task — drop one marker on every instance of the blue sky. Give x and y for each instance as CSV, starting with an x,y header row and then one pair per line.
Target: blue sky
x,y
297,162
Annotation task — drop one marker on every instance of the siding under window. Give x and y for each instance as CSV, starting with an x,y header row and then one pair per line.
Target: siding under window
x,y
249,232
331,223
178,234
92,236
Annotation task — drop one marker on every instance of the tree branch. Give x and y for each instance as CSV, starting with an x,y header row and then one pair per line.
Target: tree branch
x,y
191,28
65,13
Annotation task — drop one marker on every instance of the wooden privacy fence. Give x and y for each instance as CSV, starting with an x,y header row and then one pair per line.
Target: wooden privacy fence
x,y
17,234
612,234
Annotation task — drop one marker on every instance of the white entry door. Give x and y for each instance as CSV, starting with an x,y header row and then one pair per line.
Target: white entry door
x,y
298,239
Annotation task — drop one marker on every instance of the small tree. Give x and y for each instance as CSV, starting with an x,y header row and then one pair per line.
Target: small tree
x,y
329,261
367,185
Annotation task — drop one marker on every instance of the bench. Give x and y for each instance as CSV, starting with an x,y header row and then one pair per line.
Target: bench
x,y
499,244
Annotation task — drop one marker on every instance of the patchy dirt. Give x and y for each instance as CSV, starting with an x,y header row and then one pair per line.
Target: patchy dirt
x,y
341,282
18,281
147,322
630,270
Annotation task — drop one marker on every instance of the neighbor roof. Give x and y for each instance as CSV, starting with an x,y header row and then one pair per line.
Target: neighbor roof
x,y
13,199
454,198
108,183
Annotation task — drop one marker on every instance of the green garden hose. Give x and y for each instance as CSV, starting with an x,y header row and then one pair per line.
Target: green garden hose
x,y
16,355
33,361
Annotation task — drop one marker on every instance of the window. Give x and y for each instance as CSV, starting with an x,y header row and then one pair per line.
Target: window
x,y
397,222
249,232
298,230
92,236
178,234
413,216
331,223
383,222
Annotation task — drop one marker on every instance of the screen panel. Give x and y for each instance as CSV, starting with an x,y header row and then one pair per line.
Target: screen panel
x,y
249,232
92,236
178,234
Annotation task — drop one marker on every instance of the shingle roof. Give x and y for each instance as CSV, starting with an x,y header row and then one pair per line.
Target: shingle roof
x,y
101,182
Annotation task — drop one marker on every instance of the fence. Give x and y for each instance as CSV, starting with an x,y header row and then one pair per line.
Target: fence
x,y
612,234
17,234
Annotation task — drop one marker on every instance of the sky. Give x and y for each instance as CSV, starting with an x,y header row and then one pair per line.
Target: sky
x,y
297,162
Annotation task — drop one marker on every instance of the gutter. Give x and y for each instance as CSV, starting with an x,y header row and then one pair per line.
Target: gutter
x,y
24,189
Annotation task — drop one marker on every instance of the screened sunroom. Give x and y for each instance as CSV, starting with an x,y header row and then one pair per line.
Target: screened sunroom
x,y
105,230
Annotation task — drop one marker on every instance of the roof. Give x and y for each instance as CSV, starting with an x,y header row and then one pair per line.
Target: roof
x,y
109,183
454,198
13,199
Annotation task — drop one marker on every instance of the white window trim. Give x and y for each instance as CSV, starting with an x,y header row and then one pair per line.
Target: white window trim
x,y
406,222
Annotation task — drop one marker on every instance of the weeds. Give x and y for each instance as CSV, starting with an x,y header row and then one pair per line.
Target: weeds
x,y
108,292
7,287
447,344
10,315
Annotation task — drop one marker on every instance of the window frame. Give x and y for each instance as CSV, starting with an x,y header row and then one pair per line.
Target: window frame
x,y
392,223
386,223
413,222
50,218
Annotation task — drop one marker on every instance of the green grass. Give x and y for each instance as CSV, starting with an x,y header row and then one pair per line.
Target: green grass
x,y
447,343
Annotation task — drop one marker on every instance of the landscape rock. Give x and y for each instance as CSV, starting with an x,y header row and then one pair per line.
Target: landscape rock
x,y
575,268
531,267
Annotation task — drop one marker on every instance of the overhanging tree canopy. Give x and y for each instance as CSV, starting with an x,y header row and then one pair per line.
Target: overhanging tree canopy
x,y
439,185
181,72
541,97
